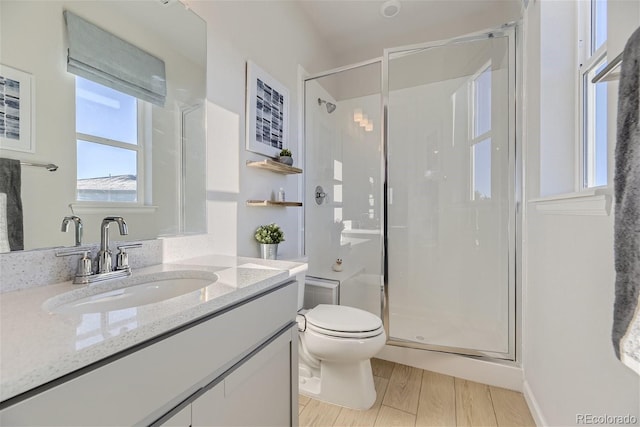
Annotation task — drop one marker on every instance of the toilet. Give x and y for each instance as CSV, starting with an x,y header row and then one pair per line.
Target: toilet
x,y
335,346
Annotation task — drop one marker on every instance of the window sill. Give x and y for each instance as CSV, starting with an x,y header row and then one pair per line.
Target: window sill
x,y
592,202
111,208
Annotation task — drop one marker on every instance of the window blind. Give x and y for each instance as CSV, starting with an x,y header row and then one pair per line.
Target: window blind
x,y
104,58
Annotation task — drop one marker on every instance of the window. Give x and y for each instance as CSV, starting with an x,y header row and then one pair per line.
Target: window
x,y
481,134
109,149
593,97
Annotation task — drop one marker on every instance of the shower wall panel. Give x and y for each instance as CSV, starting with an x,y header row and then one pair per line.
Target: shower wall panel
x,y
344,158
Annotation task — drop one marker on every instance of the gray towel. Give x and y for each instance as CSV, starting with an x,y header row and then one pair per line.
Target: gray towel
x,y
627,195
10,179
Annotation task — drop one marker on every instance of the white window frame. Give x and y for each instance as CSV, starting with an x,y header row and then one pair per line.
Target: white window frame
x,y
473,138
589,60
139,148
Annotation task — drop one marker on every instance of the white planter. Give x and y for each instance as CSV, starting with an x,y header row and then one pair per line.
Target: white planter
x,y
287,160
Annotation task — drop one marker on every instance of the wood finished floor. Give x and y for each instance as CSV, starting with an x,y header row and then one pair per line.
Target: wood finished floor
x,y
408,396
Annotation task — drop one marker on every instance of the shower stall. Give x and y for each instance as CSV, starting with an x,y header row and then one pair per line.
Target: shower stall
x,y
411,181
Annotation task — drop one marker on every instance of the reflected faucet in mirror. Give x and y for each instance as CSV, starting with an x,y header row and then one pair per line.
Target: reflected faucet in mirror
x,y
77,226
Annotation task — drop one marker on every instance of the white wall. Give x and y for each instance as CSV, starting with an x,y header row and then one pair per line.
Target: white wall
x,y
568,361
277,37
558,67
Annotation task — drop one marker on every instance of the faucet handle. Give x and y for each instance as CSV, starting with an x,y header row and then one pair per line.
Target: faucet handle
x,y
85,268
122,259
75,250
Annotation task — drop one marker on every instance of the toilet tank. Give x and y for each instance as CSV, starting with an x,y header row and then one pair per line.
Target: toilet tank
x,y
320,291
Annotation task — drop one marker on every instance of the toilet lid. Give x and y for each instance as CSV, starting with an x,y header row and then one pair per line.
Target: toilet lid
x,y
341,318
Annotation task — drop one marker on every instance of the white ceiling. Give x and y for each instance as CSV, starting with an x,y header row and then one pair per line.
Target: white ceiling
x,y
355,29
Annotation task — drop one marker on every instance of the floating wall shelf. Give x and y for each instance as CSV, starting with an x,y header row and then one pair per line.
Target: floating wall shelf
x,y
271,203
273,166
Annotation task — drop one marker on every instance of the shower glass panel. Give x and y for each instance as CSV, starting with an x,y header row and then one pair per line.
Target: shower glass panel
x,y
343,182
450,207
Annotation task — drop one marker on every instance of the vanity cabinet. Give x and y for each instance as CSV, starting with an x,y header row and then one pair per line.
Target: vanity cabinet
x,y
181,419
256,394
237,366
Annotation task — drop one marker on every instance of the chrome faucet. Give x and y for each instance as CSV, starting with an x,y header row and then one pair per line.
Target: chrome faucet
x,y
78,227
105,270
104,254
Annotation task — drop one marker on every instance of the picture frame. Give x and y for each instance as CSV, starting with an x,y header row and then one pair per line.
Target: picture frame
x,y
267,113
17,109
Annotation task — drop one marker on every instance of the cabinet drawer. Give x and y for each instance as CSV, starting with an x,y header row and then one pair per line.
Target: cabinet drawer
x,y
142,386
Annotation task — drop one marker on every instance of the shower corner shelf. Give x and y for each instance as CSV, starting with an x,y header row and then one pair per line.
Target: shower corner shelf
x,y
271,203
273,166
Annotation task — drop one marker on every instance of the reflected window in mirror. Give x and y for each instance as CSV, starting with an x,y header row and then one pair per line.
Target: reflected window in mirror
x,y
110,144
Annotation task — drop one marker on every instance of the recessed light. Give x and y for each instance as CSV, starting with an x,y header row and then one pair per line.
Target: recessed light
x,y
390,8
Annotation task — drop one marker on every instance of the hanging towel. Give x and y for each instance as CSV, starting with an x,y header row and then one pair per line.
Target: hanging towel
x,y
626,319
10,185
4,231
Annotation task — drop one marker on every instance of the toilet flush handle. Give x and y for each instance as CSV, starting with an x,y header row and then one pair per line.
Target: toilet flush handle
x,y
302,322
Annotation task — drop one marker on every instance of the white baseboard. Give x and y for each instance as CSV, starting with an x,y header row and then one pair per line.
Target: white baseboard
x,y
506,375
534,407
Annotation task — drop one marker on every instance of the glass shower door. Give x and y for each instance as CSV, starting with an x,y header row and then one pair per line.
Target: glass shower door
x,y
450,205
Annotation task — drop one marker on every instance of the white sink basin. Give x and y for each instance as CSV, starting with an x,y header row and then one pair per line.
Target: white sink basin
x,y
130,292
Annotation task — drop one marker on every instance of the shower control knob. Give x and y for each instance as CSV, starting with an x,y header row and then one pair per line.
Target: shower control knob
x,y
320,195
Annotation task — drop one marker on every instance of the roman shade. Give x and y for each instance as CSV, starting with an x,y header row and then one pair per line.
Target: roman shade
x,y
104,58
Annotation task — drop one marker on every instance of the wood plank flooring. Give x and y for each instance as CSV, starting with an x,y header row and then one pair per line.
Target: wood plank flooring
x,y
409,396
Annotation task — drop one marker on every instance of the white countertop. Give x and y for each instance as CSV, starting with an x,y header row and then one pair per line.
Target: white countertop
x,y
37,346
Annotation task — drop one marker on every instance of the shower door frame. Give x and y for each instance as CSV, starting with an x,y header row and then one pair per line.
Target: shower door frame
x,y
515,192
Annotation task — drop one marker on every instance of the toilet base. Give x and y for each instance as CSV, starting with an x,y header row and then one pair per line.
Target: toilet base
x,y
344,384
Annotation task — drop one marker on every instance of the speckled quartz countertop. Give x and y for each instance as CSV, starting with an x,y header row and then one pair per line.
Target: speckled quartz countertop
x,y
38,346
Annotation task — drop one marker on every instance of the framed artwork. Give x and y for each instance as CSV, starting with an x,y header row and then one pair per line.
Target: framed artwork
x,y
267,115
17,104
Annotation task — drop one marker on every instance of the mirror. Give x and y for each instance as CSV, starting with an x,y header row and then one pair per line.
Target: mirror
x,y
171,162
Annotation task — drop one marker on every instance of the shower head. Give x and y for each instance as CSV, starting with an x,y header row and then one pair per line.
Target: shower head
x,y
330,106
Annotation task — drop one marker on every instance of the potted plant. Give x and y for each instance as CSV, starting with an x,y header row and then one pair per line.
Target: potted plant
x,y
285,157
269,236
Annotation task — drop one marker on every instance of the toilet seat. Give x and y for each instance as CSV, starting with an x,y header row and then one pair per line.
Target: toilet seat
x,y
343,322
